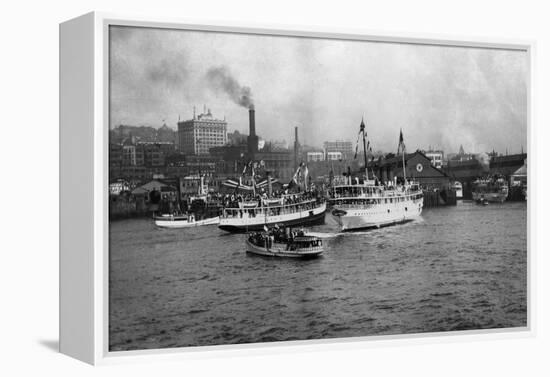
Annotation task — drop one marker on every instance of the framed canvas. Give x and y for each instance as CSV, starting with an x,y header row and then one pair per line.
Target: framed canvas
x,y
249,190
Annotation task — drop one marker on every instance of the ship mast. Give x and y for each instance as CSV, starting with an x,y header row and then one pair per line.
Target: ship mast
x,y
404,174
402,147
362,129
253,180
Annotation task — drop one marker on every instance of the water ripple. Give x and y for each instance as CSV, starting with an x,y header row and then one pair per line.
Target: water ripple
x,y
456,268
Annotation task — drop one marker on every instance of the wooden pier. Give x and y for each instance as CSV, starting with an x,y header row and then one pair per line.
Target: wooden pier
x,y
439,198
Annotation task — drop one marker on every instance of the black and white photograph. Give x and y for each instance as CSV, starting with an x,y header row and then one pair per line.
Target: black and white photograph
x,y
269,188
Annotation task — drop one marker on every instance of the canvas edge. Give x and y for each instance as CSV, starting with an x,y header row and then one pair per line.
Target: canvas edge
x,y
100,341
76,239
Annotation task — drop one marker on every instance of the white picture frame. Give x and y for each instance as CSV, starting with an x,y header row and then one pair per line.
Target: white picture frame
x,y
84,227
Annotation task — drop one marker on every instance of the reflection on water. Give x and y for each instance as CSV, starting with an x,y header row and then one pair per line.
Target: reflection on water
x,y
456,268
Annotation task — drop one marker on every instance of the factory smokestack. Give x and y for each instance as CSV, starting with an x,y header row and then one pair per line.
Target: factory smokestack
x,y
252,138
252,122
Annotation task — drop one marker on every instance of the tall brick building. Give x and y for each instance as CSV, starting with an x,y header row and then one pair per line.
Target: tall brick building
x,y
196,136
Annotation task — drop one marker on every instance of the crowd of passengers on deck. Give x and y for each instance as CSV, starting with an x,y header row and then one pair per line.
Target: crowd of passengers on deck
x,y
290,203
235,200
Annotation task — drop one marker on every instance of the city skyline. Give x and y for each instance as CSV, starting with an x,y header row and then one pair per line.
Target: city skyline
x,y
445,96
288,144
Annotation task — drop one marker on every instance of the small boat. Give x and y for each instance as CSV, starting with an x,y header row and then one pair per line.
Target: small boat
x,y
274,244
183,221
492,189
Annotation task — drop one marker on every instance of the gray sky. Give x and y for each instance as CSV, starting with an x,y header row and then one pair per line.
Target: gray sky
x,y
440,96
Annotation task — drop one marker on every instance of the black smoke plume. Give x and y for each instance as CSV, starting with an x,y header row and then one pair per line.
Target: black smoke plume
x,y
221,79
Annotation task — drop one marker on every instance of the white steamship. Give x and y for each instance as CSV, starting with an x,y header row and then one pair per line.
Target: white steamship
x,y
372,204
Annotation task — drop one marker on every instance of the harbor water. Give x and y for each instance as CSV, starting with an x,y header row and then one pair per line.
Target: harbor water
x,y
456,268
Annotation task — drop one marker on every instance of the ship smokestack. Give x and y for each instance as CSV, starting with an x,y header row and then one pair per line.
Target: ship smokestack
x,y
252,138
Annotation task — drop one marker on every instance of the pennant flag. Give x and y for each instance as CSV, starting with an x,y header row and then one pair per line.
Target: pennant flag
x,y
361,130
401,145
357,143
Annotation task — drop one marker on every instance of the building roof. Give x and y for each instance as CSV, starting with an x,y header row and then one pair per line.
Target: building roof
x,y
150,186
521,172
396,160
399,158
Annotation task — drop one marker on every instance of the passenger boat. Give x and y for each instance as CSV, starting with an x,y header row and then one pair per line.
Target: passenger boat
x,y
295,245
301,210
492,189
183,221
371,204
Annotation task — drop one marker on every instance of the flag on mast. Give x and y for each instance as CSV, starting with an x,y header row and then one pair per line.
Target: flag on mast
x,y
361,130
357,145
401,145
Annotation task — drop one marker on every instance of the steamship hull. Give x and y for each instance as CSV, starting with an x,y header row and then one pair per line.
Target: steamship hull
x,y
314,216
377,215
